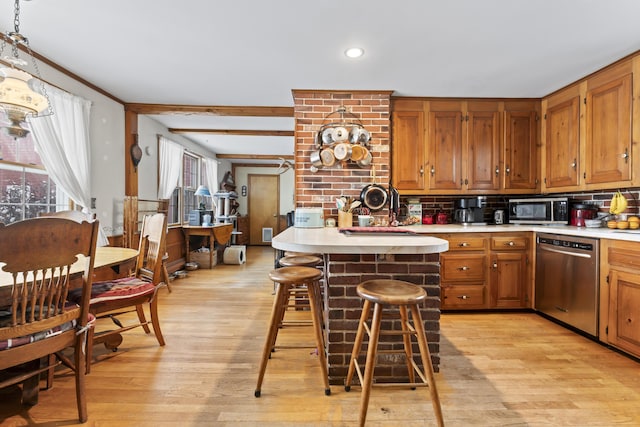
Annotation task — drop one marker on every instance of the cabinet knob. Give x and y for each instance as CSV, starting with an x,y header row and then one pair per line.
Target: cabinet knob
x,y
495,264
497,171
507,170
421,170
574,164
463,297
463,268
463,244
509,243
625,155
433,171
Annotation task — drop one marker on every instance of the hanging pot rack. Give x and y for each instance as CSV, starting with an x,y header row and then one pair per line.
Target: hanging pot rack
x,y
341,139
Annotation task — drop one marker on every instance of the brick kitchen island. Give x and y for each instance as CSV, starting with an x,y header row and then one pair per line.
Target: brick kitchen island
x,y
351,259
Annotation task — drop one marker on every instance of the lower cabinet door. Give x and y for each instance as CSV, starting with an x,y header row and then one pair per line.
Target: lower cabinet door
x,y
624,311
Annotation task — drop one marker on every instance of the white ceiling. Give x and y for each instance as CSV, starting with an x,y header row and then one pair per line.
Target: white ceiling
x,y
253,52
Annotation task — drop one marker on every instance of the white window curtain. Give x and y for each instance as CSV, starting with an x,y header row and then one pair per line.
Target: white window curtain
x,y
211,168
211,178
170,166
62,141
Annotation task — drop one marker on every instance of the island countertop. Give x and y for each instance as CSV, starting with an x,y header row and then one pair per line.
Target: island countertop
x,y
330,240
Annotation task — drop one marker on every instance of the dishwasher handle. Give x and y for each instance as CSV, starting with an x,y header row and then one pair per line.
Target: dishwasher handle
x,y
560,251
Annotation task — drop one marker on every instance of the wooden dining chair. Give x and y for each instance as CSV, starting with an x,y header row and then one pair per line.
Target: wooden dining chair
x,y
110,299
44,257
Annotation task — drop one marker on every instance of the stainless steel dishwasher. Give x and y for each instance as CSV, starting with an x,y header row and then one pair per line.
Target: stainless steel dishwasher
x,y
567,280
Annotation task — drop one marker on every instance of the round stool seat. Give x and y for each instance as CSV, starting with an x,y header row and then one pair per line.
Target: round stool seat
x,y
299,260
396,292
295,275
292,253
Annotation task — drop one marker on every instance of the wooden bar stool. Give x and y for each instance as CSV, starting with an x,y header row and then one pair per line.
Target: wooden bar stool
x,y
378,294
298,293
285,278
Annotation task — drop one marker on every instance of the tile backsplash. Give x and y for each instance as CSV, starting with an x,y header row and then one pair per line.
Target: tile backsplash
x,y
434,204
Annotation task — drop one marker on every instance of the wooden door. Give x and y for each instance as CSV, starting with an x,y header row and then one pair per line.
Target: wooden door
x,y
608,145
408,150
562,143
263,208
444,164
521,150
483,149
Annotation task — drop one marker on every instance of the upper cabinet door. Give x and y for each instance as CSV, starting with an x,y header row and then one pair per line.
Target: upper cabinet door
x,y
608,135
408,156
521,168
445,150
483,154
563,143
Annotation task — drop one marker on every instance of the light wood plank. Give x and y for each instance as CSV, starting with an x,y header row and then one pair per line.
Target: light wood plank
x,y
511,369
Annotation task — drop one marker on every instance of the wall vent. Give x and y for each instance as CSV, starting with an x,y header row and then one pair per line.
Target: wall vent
x,y
267,234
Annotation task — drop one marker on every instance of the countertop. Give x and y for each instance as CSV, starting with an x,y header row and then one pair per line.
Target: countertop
x,y
330,240
598,233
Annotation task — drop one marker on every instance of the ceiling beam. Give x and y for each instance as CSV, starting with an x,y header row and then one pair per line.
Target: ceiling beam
x,y
211,110
235,132
254,156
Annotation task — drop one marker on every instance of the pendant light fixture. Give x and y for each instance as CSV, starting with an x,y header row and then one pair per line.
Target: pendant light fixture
x,y
18,97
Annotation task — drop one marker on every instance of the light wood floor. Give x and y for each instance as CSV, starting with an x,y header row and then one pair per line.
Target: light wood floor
x,y
497,370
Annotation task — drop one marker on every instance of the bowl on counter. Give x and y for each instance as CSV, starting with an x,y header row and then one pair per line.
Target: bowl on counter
x,y
593,223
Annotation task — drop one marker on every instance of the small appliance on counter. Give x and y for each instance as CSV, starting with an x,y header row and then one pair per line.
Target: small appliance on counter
x,y
539,210
309,218
581,212
470,211
498,216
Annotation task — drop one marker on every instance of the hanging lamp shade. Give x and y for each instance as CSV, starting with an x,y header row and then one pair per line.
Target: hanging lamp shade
x,y
16,95
202,191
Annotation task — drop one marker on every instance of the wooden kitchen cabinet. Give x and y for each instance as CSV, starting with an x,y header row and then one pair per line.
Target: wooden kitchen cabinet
x,y
608,122
509,271
589,132
620,295
486,271
562,143
521,165
463,272
408,160
458,146
445,145
464,145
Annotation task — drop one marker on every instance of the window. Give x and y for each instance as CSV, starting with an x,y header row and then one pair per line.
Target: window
x,y
25,187
190,180
183,199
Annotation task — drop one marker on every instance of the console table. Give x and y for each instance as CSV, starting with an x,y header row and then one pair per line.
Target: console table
x,y
220,233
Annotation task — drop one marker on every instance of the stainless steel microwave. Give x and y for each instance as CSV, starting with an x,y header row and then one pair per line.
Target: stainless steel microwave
x,y
539,210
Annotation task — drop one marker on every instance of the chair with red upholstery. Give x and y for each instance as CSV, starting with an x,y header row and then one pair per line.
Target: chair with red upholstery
x,y
42,258
112,298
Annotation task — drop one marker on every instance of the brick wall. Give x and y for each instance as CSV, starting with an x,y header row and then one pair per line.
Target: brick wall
x,y
344,272
311,108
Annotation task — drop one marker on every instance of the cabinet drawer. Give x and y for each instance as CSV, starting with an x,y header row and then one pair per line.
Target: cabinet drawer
x,y
466,243
464,296
623,257
509,243
462,267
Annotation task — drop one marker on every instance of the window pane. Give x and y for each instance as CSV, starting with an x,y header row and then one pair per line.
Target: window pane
x,y
173,215
18,150
25,192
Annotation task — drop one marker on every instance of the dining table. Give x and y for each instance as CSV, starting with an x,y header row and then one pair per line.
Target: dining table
x,y
106,257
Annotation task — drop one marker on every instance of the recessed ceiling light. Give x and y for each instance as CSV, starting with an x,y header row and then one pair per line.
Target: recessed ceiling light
x,y
354,52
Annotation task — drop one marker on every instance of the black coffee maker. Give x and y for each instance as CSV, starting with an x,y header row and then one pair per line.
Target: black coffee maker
x,y
470,211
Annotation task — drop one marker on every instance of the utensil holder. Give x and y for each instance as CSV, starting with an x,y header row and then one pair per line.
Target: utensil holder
x,y
345,219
